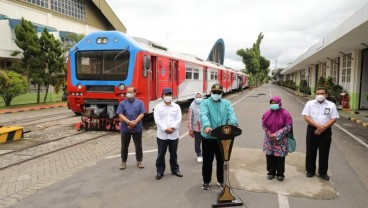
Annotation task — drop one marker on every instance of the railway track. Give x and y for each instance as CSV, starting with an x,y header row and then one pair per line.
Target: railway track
x,y
26,154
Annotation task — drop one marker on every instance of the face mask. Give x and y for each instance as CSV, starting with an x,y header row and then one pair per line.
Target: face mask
x,y
129,95
275,106
167,99
198,100
320,98
215,97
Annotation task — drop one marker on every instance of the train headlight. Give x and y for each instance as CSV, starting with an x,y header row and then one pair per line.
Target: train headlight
x,y
79,86
104,40
99,40
121,87
122,95
73,94
81,94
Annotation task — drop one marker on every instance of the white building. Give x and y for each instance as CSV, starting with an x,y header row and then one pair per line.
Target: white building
x,y
60,17
342,55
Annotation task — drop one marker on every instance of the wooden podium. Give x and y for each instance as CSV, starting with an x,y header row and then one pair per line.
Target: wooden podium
x,y
225,137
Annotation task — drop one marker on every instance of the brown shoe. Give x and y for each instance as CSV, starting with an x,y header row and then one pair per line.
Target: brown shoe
x,y
140,165
122,166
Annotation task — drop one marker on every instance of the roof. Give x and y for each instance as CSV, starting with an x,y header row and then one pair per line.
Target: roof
x,y
351,35
110,15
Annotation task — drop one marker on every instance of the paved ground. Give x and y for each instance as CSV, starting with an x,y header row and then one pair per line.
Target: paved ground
x,y
88,176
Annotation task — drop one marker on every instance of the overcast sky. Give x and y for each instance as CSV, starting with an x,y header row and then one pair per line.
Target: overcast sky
x,y
290,27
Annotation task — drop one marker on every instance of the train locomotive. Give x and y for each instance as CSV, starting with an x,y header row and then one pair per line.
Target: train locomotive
x,y
103,64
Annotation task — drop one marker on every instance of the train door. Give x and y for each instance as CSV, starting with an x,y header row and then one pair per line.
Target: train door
x,y
205,77
153,78
173,77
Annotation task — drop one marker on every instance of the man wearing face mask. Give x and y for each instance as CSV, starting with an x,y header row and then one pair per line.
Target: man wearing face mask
x,y
214,112
194,125
131,111
167,115
320,114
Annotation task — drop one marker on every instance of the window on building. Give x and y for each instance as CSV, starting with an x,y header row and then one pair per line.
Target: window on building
x,y
188,73
72,8
302,74
334,69
346,68
196,74
323,69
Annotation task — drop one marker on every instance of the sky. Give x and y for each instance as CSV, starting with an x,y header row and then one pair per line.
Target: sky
x,y
289,27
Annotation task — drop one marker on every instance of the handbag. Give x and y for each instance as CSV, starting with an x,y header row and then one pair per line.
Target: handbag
x,y
291,143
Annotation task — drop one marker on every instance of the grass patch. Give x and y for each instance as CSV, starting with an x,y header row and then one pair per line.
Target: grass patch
x,y
30,99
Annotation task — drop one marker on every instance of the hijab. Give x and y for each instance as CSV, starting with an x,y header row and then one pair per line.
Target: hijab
x,y
276,119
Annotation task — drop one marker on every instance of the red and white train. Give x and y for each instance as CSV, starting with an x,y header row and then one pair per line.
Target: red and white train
x,y
103,64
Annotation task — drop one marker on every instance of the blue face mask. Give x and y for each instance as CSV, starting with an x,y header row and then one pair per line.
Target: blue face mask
x,y
275,106
198,100
216,97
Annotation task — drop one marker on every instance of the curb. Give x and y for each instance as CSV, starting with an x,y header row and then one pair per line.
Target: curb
x,y
358,121
7,111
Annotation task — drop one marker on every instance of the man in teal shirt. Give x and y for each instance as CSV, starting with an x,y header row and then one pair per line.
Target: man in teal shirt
x,y
214,112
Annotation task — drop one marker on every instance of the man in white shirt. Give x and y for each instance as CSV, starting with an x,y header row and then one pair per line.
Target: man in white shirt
x,y
320,114
167,115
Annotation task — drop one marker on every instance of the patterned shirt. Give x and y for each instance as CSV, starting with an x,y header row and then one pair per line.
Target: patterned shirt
x,y
131,110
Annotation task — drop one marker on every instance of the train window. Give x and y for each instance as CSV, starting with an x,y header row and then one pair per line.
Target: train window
x,y
102,65
215,75
188,73
212,75
196,74
146,65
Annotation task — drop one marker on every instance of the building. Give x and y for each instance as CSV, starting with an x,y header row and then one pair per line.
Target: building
x,y
60,17
342,55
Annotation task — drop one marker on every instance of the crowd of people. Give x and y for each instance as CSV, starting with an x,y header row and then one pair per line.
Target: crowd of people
x,y
204,115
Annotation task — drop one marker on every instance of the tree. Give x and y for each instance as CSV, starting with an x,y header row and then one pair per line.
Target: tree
x,y
32,62
12,84
255,64
53,59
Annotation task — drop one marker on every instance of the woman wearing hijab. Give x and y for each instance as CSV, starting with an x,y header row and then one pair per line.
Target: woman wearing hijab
x,y
276,123
194,125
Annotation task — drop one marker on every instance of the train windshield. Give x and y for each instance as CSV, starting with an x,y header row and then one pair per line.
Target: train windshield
x,y
102,65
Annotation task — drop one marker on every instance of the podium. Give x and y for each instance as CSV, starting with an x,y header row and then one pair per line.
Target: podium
x,y
225,135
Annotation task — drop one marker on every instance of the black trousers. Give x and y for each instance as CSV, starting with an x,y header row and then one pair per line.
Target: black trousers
x,y
210,149
125,140
275,165
162,148
321,143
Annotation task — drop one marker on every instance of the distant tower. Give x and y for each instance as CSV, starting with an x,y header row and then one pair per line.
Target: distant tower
x,y
217,52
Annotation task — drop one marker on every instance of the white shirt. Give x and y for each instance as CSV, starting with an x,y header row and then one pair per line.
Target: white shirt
x,y
320,112
167,116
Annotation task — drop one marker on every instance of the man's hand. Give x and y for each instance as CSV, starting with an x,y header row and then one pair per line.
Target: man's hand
x,y
207,130
169,131
191,133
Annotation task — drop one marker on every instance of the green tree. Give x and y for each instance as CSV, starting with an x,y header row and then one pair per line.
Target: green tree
x,y
255,64
12,84
53,59
32,62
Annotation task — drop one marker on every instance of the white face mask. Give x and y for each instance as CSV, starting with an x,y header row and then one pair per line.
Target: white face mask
x,y
320,98
168,99
129,95
198,100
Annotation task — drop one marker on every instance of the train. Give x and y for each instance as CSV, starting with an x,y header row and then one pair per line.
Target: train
x,y
103,64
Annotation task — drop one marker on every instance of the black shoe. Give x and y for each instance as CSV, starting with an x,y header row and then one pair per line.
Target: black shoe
x,y
280,178
310,175
159,176
177,173
206,186
325,177
270,177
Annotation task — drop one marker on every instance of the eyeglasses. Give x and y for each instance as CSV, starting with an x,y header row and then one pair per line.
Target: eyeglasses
x,y
217,92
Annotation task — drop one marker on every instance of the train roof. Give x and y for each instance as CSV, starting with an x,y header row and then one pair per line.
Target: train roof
x,y
158,48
